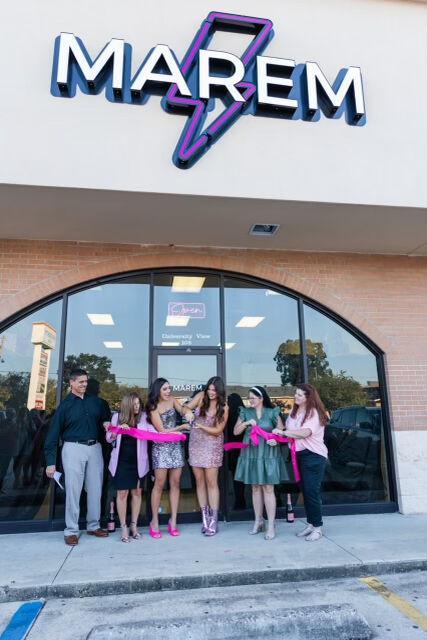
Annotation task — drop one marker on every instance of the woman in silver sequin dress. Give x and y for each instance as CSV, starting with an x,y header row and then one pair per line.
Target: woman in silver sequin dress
x,y
168,457
206,448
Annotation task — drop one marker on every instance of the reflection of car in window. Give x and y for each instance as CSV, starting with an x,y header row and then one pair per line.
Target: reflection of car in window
x,y
353,438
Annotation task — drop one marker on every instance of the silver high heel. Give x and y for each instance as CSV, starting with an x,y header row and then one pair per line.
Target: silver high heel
x,y
257,528
270,536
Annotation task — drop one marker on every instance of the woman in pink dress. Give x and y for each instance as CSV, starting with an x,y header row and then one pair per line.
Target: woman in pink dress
x,y
206,448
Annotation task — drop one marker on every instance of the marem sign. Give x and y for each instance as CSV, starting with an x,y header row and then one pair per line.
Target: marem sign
x,y
252,84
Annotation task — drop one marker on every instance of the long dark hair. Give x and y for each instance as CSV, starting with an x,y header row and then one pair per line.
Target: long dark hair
x,y
260,392
313,403
154,396
219,386
127,414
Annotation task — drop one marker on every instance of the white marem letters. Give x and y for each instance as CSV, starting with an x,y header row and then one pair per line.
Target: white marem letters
x,y
352,76
114,50
229,82
147,74
264,81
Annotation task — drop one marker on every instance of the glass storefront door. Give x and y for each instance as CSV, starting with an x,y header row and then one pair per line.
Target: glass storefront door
x,y
187,370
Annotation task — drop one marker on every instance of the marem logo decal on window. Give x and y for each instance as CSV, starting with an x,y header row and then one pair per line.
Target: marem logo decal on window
x,y
252,84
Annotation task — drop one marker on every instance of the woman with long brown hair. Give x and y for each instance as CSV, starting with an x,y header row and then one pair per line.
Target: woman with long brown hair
x,y
306,423
128,462
168,457
206,448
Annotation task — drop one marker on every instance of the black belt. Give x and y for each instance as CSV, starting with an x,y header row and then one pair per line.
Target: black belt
x,y
89,443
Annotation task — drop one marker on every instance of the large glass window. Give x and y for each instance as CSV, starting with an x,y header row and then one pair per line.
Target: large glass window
x,y
28,383
252,338
107,335
186,310
262,347
261,340
345,373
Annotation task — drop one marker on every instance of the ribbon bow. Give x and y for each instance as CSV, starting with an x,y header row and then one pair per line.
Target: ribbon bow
x,y
256,433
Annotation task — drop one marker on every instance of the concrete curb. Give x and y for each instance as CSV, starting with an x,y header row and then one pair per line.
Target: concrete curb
x,y
203,581
323,622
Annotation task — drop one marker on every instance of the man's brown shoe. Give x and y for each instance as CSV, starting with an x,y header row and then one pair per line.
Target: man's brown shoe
x,y
98,533
71,540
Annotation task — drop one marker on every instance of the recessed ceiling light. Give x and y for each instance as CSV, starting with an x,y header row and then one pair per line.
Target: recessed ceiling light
x,y
267,229
170,344
177,321
113,344
230,345
100,318
187,284
250,322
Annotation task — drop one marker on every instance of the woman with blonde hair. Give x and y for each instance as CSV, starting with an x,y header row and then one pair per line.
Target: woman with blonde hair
x,y
128,462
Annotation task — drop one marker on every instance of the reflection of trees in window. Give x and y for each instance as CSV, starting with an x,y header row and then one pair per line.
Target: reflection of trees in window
x,y
102,381
288,360
14,389
335,389
339,390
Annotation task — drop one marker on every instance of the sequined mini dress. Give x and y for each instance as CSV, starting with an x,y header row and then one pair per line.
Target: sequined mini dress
x,y
168,455
205,451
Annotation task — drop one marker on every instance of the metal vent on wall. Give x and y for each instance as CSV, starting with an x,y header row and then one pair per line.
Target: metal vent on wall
x,y
264,229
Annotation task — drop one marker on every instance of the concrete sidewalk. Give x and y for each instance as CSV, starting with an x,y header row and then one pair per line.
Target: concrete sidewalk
x,y
35,565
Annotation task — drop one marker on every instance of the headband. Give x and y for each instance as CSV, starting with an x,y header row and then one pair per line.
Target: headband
x,y
257,390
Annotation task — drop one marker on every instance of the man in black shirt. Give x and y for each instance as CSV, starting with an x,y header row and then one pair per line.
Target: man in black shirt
x,y
78,422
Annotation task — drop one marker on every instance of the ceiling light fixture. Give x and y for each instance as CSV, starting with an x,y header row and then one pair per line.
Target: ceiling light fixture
x,y
177,321
100,318
249,322
187,284
111,344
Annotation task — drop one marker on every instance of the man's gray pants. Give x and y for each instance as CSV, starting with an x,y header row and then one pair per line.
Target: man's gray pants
x,y
82,464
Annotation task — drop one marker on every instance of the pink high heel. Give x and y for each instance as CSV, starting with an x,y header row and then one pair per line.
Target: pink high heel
x,y
154,533
173,531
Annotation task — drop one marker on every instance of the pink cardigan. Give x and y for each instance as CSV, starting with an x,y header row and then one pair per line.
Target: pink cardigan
x,y
141,446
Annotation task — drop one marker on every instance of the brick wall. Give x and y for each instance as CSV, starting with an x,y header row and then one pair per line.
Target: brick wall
x,y
383,296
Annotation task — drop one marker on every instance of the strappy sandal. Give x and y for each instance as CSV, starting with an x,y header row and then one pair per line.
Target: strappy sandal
x,y
270,535
257,528
125,533
134,531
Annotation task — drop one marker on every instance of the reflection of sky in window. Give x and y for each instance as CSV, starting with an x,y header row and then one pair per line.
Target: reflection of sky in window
x,y
344,352
251,360
128,304
17,349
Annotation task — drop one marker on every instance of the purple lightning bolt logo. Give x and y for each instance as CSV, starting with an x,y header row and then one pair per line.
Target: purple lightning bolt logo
x,y
194,142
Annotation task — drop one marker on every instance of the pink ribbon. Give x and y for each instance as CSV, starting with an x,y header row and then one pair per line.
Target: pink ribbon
x,y
235,445
153,436
256,433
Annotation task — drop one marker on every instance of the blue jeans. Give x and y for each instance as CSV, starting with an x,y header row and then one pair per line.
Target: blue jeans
x,y
312,469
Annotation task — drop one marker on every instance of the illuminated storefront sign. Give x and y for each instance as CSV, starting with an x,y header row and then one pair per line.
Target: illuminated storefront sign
x,y
194,310
253,83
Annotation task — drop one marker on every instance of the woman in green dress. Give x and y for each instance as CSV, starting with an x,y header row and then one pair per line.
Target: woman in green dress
x,y
262,466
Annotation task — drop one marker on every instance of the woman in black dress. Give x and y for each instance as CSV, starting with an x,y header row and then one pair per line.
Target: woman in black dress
x,y
128,463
